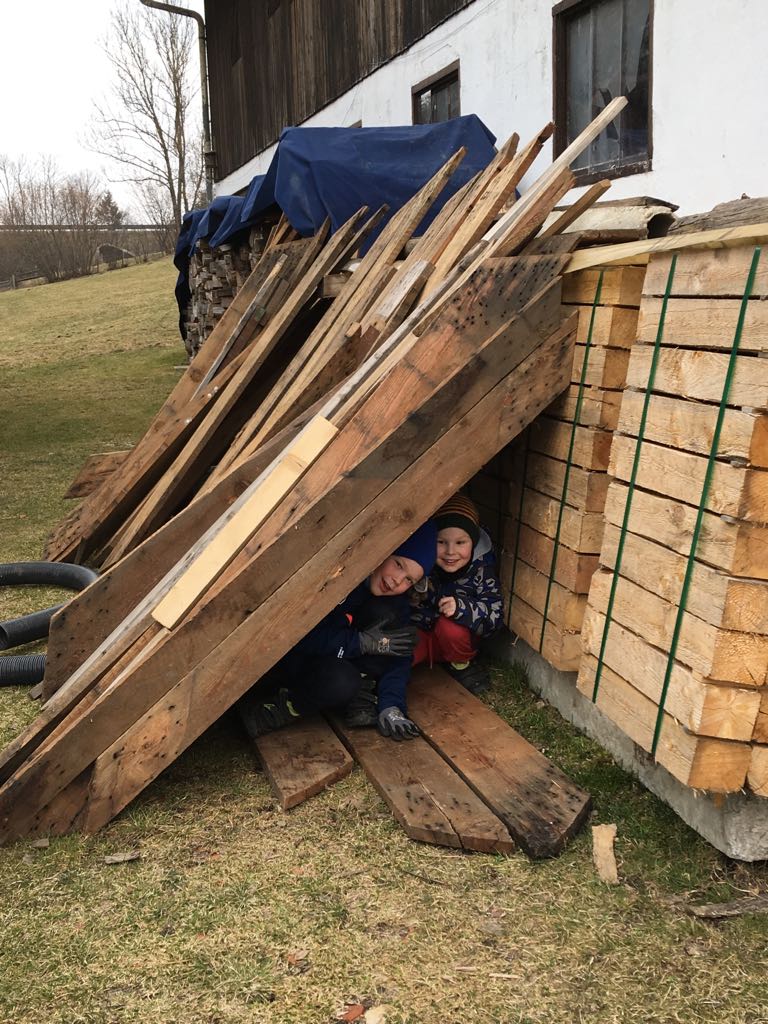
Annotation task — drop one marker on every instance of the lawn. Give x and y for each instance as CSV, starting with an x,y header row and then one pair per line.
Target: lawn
x,y
234,911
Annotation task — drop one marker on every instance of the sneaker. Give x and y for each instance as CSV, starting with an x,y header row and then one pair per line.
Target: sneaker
x,y
260,718
362,709
473,675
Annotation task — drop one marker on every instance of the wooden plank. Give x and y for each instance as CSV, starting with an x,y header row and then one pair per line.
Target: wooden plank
x,y
599,407
736,547
720,272
587,488
591,448
622,286
614,325
94,472
690,426
302,760
565,610
719,766
737,491
760,732
757,776
287,468
573,570
169,489
636,252
701,706
709,650
215,680
428,799
705,323
580,531
699,374
606,367
561,648
541,807
716,597
572,213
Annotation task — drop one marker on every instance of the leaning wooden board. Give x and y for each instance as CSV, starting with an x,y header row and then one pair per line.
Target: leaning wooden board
x,y
540,805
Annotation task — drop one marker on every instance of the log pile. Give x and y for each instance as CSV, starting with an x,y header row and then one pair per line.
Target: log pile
x,y
215,277
553,516
305,441
699,711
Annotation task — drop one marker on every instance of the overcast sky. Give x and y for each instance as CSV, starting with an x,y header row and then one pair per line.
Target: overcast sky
x,y
52,69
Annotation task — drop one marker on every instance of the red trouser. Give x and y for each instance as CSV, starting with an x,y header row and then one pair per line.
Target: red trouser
x,y
448,641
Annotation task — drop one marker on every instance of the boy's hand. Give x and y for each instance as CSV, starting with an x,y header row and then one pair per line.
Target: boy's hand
x,y
447,606
393,723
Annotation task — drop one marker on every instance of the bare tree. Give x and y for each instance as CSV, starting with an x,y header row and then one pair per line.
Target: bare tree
x,y
148,126
55,221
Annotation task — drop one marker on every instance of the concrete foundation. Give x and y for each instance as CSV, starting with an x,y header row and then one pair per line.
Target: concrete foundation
x,y
736,824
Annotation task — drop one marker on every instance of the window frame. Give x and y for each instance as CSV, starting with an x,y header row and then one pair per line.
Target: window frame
x,y
449,72
560,14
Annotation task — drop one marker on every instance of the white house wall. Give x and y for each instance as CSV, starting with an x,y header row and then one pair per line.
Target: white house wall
x,y
710,82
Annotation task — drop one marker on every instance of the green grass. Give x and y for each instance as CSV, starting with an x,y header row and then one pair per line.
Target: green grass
x,y
204,928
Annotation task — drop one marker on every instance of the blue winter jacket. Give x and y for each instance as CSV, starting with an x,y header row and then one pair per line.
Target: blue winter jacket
x,y
337,634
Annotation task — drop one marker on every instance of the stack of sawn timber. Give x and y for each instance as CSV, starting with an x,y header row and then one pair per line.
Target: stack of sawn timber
x,y
539,462
325,459
711,727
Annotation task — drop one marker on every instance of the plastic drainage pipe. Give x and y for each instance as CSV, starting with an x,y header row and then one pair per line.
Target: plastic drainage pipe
x,y
28,669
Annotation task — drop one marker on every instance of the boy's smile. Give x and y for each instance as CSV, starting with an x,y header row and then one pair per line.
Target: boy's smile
x,y
454,549
394,576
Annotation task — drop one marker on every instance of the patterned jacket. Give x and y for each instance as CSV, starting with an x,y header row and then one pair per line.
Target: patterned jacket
x,y
476,589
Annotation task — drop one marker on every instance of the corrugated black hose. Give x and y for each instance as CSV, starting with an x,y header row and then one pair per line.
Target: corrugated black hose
x,y
26,669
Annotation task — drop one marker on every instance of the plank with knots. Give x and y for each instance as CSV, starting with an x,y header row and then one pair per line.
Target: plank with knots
x,y
539,804
279,616
429,800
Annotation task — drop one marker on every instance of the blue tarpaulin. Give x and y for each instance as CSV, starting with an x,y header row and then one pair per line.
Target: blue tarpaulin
x,y
332,172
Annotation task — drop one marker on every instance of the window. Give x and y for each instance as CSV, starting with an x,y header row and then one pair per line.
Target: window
x,y
437,99
602,49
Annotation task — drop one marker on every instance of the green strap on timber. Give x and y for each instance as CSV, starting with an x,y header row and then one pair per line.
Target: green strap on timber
x,y
568,461
705,495
633,475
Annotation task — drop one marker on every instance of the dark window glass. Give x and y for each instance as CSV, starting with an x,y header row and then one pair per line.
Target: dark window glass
x,y
602,50
438,101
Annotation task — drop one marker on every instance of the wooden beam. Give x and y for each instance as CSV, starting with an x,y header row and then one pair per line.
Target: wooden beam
x,y
540,805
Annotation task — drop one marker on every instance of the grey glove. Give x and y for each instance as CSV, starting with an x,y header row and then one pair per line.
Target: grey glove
x,y
393,723
398,641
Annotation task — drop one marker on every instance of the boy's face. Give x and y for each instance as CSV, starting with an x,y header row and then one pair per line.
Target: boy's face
x,y
394,576
454,549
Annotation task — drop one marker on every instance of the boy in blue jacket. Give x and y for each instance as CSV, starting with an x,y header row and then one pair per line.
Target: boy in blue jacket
x,y
463,598
366,638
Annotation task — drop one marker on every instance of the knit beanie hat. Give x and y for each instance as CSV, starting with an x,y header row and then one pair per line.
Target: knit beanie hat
x,y
462,513
421,546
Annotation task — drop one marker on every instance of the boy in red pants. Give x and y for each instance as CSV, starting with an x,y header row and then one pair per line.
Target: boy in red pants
x,y
463,599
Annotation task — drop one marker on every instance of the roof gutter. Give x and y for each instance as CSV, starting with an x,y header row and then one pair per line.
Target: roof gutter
x,y
209,154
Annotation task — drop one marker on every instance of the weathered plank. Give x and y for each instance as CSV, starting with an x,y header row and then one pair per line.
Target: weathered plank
x,y
302,760
702,323
573,569
737,547
541,807
428,798
599,407
94,472
720,272
613,325
560,647
622,286
690,426
581,531
709,650
591,448
700,374
737,491
702,707
606,367
700,762
587,488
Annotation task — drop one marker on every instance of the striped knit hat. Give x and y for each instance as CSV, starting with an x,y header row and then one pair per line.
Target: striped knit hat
x,y
460,512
